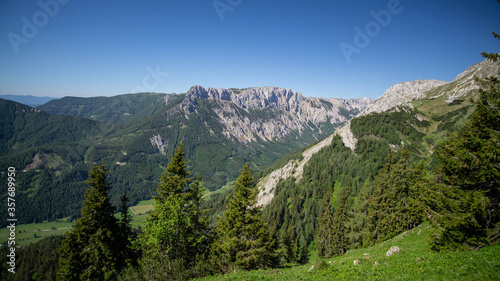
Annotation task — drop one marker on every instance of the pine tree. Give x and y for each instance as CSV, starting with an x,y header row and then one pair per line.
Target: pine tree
x,y
243,237
324,239
357,224
126,232
90,250
340,221
175,232
394,205
290,252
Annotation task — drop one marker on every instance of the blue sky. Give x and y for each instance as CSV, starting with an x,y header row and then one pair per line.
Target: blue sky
x,y
102,48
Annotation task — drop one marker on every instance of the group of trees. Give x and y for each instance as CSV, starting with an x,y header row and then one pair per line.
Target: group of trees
x,y
98,246
176,242
467,214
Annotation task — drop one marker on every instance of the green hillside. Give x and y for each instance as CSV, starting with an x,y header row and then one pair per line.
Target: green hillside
x,y
415,261
117,109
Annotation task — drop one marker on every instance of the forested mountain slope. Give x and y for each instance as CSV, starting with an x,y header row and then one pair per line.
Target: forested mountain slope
x,y
424,114
117,109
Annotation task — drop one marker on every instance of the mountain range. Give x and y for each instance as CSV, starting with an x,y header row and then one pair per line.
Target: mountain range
x,y
27,99
56,144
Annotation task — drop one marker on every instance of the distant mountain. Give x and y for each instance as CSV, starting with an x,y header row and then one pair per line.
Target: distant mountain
x,y
117,109
271,113
27,99
24,127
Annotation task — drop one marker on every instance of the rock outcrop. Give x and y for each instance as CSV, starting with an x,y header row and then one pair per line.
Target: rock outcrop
x,y
270,113
393,250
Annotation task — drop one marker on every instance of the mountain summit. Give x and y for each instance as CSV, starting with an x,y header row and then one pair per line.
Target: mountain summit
x,y
270,113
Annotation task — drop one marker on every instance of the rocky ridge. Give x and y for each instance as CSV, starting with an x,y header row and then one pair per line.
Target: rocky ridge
x,y
406,92
270,113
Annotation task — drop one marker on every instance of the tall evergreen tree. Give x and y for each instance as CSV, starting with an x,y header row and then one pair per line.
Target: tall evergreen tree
x,y
175,232
324,237
357,224
91,250
290,250
126,232
340,240
243,236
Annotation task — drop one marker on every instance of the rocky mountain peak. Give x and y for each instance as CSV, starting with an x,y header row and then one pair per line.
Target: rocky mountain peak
x,y
270,97
402,93
287,111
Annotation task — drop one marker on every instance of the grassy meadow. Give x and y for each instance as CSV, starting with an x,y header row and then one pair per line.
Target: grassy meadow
x,y
414,262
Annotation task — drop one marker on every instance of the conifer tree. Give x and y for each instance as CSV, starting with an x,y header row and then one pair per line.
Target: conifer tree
x,y
324,239
126,233
91,250
394,205
468,216
243,237
290,252
356,227
175,232
340,221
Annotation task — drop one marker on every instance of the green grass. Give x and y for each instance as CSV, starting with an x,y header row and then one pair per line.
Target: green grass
x,y
25,233
414,262
143,207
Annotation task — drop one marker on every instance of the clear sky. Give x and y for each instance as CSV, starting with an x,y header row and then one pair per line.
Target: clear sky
x,y
326,48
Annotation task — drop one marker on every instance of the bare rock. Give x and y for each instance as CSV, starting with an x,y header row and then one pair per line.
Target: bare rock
x,y
394,249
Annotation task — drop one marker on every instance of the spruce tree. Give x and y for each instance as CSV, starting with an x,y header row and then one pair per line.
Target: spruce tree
x,y
290,251
324,237
175,232
91,250
340,223
243,237
394,205
126,233
357,223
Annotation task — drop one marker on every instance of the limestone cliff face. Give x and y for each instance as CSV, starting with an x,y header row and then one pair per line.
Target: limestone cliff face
x,y
402,93
271,113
